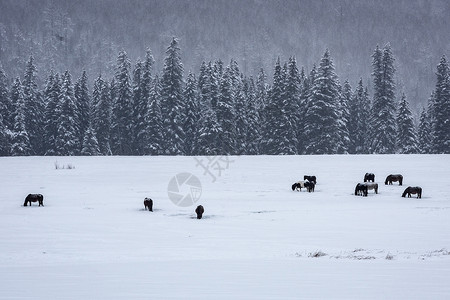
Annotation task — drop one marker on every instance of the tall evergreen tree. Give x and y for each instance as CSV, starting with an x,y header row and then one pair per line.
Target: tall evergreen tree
x,y
291,106
34,108
101,115
52,113
90,143
253,118
226,115
344,117
424,137
406,131
322,126
121,126
6,106
359,113
383,125
172,106
83,107
20,145
192,119
137,120
67,132
155,143
441,109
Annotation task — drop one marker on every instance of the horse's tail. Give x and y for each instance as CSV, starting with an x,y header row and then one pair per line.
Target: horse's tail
x,y
356,190
387,180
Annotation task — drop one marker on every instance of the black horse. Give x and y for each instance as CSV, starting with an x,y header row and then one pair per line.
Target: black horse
x,y
310,178
369,177
309,185
361,190
34,198
298,186
413,190
148,203
394,178
199,211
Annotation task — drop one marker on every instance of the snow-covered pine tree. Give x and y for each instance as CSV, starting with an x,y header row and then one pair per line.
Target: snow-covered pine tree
x,y
20,144
253,120
261,91
291,107
67,132
121,120
155,143
302,111
322,126
441,109
229,120
34,108
90,143
383,125
52,113
192,119
142,104
344,116
306,103
241,117
138,102
209,132
4,140
424,136
359,113
83,106
172,106
101,115
6,107
406,131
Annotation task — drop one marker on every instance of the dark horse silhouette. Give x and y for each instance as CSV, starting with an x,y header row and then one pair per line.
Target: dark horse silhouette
x,y
148,203
310,178
369,177
393,178
413,190
34,198
199,211
309,185
361,190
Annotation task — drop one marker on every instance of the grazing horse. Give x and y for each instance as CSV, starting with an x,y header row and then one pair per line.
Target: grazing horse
x,y
361,189
298,186
372,186
393,178
148,203
199,211
310,178
309,185
369,177
413,190
34,198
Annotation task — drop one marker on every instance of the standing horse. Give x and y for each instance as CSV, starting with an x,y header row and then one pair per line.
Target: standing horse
x,y
393,178
309,185
199,211
298,186
310,178
148,203
369,177
372,186
34,198
361,189
413,190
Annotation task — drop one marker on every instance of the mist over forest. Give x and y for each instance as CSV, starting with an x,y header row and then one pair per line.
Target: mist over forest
x,y
88,35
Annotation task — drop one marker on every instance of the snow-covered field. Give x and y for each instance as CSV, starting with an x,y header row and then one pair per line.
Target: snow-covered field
x,y
258,239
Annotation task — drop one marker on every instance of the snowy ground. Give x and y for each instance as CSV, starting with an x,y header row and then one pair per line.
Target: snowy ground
x,y
258,239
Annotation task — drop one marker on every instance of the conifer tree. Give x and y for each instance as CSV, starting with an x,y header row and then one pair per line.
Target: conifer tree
x,y
121,120
67,132
20,144
344,116
229,122
90,143
34,108
52,92
137,120
6,107
383,125
83,106
322,126
172,106
253,118
441,108
406,131
291,106
155,143
191,122
424,136
101,115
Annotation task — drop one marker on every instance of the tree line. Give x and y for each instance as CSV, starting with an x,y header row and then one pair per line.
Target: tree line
x,y
219,112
